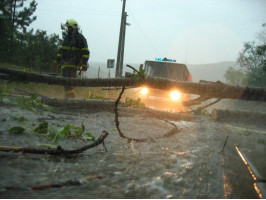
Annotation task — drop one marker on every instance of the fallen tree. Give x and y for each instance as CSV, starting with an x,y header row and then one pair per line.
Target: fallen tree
x,y
219,115
206,89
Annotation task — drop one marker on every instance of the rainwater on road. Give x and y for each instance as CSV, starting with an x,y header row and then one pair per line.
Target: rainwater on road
x,y
189,164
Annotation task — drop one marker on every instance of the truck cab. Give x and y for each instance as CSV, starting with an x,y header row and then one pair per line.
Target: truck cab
x,y
167,69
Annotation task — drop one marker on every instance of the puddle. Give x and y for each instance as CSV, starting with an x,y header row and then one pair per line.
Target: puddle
x,y
187,165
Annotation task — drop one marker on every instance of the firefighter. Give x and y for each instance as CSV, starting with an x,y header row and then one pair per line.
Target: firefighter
x,y
73,55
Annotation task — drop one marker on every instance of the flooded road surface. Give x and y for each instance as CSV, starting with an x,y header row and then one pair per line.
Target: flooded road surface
x,y
189,164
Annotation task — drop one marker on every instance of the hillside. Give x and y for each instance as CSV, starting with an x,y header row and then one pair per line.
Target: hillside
x,y
209,72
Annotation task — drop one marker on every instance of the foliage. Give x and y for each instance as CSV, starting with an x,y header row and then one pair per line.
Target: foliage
x,y
14,20
135,103
38,50
236,76
33,104
92,96
64,30
4,91
78,130
138,76
20,118
56,135
42,128
261,141
16,130
252,62
90,136
142,72
67,131
2,95
22,47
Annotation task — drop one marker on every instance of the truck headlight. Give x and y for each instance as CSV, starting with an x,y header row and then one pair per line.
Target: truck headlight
x,y
144,91
175,95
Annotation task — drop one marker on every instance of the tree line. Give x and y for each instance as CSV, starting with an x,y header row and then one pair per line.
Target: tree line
x,y
251,63
23,47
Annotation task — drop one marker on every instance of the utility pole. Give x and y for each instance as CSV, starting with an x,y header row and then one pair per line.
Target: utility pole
x,y
121,43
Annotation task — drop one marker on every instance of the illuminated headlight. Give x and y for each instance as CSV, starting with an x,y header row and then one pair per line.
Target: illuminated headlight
x,y
144,91
175,95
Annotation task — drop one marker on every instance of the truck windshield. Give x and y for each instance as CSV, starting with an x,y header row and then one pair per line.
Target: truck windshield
x,y
166,70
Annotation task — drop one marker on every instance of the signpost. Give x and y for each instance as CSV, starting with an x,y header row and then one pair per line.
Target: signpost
x,y
110,64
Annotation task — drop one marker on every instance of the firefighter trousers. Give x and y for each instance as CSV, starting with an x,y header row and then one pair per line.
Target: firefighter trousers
x,y
70,73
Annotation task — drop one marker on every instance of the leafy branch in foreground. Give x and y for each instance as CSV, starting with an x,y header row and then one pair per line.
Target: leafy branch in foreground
x,y
16,130
67,131
58,150
33,104
19,118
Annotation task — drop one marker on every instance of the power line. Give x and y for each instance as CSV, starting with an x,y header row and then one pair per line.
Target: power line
x,y
78,8
80,12
144,34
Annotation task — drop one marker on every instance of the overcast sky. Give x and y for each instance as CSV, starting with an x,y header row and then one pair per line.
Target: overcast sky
x,y
190,31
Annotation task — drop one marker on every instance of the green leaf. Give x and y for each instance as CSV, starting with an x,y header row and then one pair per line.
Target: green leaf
x,y
142,71
135,103
261,141
91,137
72,126
33,97
65,131
20,119
80,130
16,130
55,135
42,128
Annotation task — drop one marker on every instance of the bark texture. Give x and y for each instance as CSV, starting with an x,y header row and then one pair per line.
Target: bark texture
x,y
209,89
238,116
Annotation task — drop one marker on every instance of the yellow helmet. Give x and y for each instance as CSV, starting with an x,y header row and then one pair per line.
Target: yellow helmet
x,y
73,23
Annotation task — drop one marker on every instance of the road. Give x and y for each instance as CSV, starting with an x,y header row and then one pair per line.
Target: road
x,y
199,161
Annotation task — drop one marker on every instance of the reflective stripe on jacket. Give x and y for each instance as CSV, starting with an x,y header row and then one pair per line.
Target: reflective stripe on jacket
x,y
74,51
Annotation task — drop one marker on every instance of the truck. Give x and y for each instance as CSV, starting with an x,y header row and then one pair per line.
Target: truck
x,y
162,99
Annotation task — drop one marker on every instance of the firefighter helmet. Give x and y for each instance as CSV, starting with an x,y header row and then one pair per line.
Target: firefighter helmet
x,y
73,23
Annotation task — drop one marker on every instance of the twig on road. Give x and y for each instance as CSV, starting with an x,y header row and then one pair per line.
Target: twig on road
x,y
69,182
168,134
58,150
203,107
117,122
224,143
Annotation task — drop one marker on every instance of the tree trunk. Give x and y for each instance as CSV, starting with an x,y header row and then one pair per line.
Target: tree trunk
x,y
208,89
236,116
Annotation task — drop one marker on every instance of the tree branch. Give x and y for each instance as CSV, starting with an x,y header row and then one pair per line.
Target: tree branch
x,y
58,151
168,134
140,74
69,182
117,122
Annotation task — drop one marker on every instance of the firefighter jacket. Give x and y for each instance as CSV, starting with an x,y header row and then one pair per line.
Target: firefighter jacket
x,y
74,52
